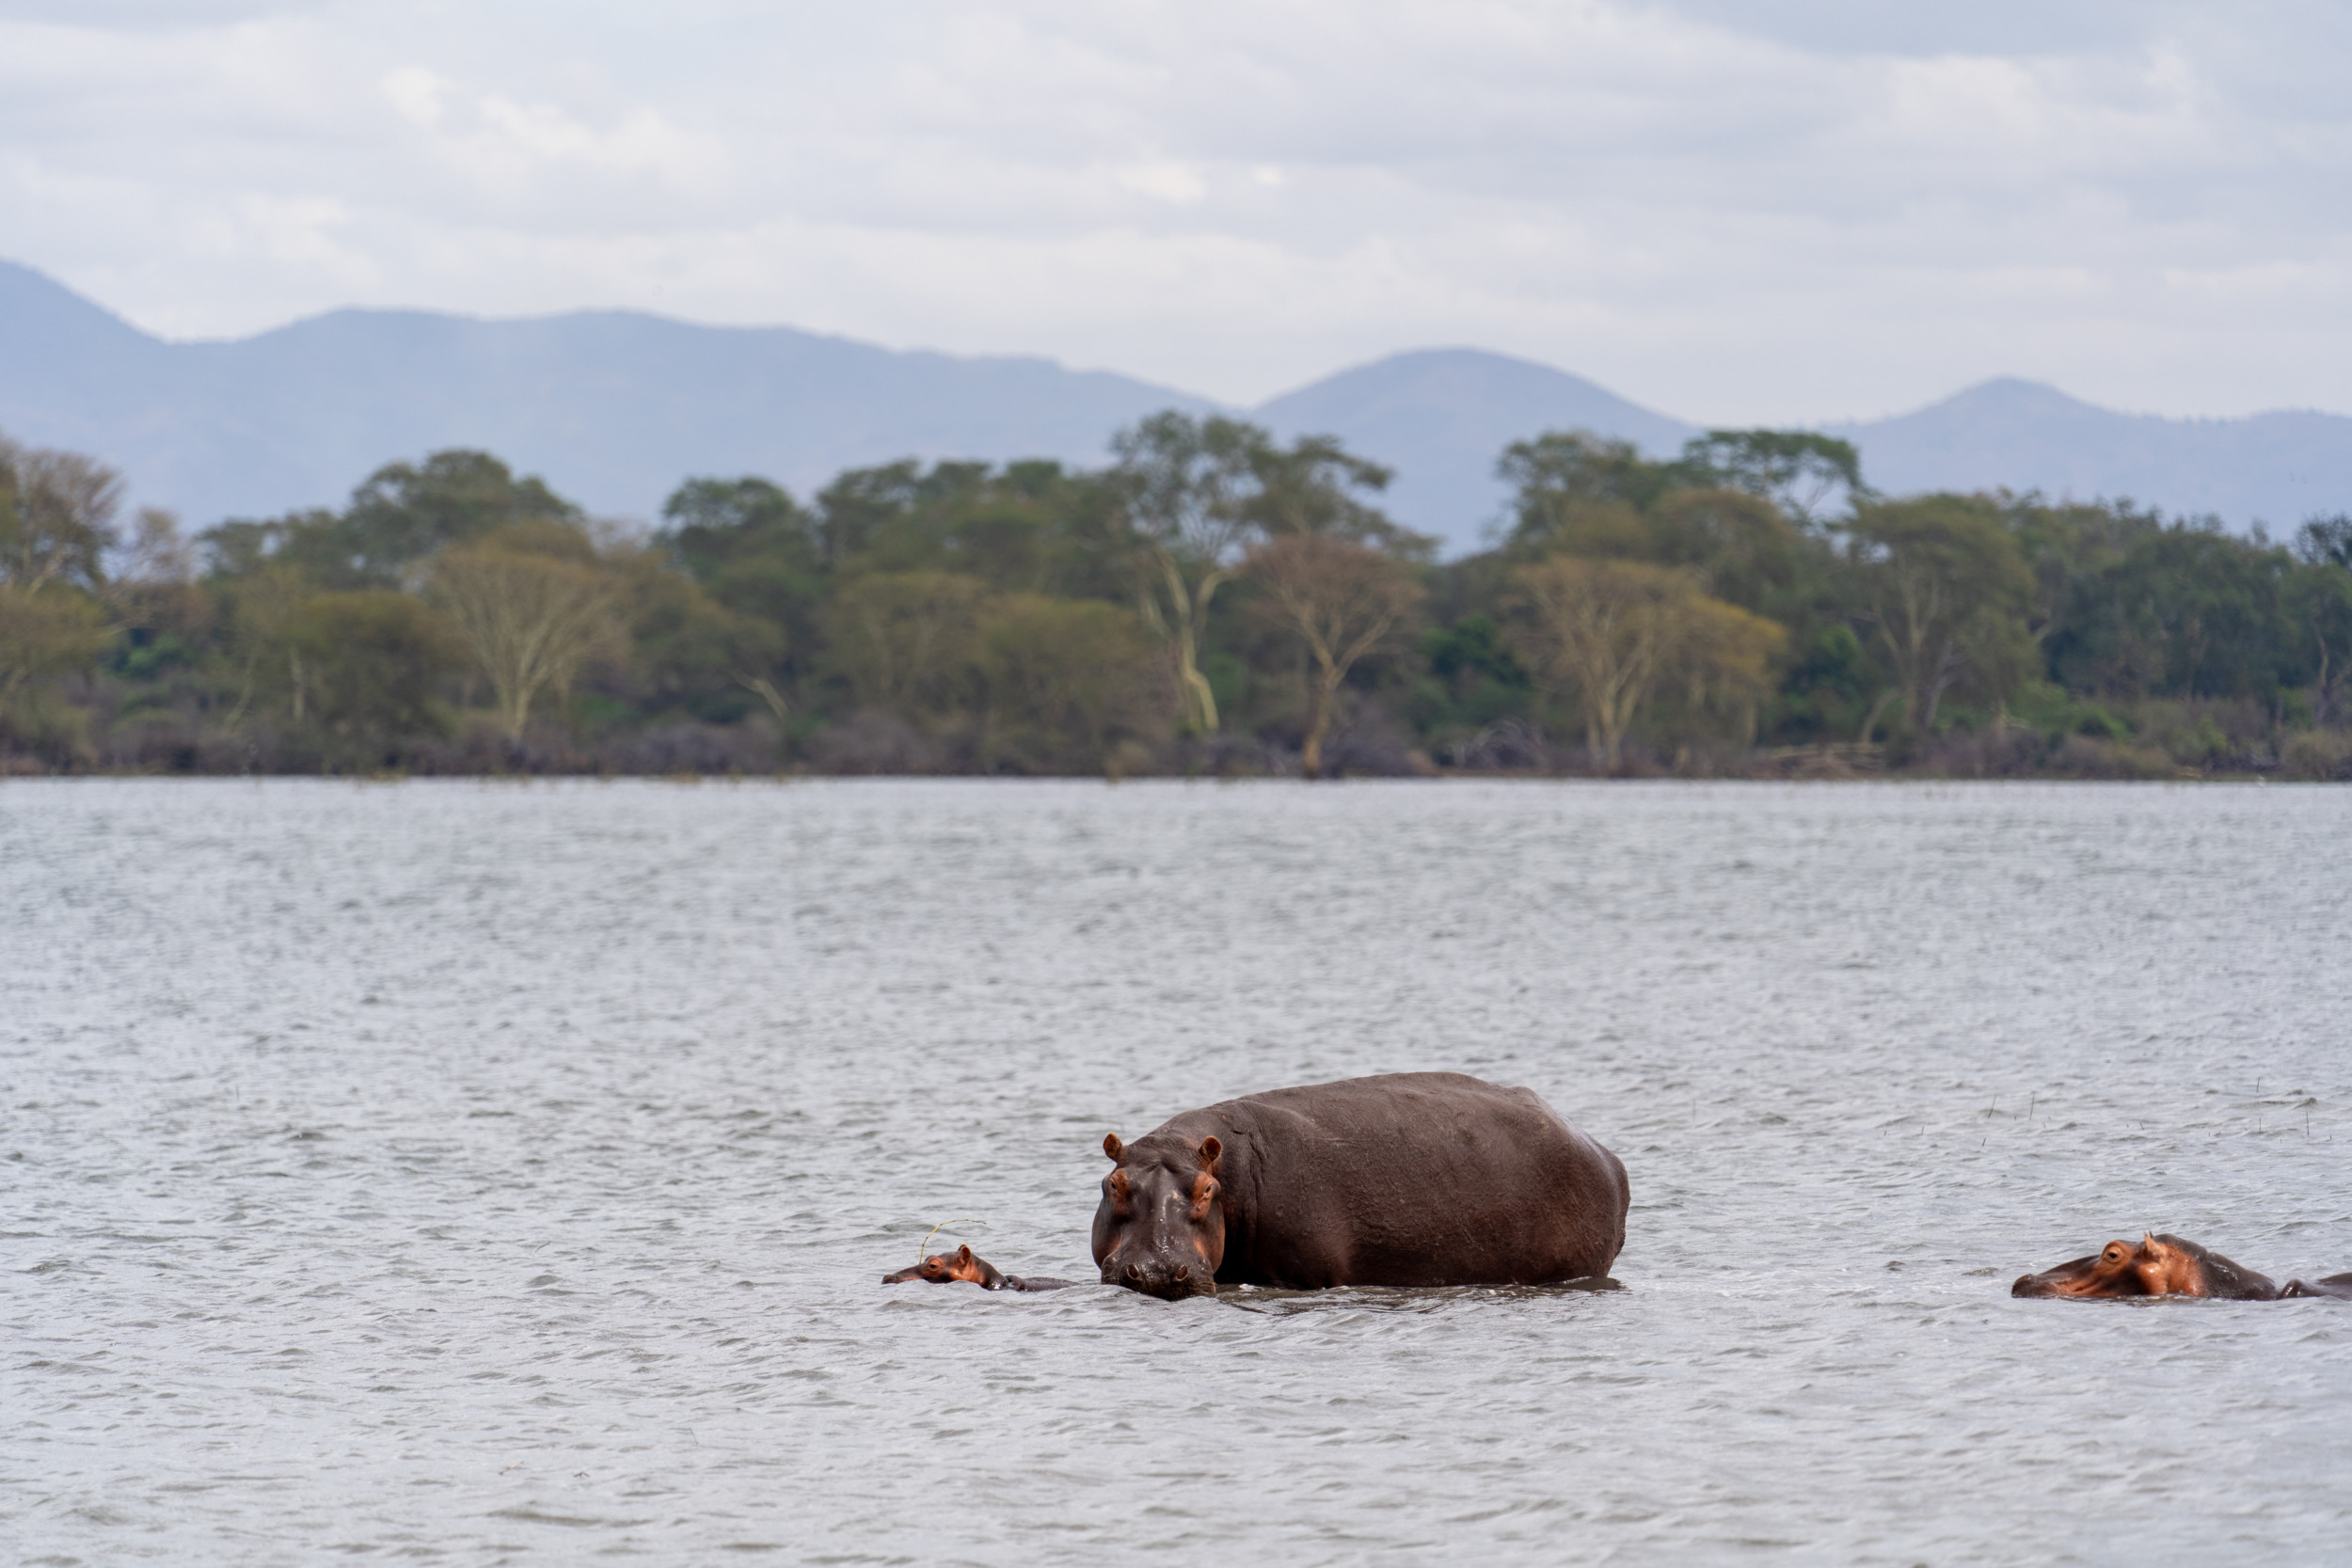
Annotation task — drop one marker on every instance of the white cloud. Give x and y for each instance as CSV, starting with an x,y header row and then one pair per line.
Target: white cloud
x,y
1773,209
1176,183
422,96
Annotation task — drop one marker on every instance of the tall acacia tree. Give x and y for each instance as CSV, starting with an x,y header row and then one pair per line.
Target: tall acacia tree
x,y
1615,633
56,517
1801,471
534,605
1190,484
1343,600
1316,485
1948,591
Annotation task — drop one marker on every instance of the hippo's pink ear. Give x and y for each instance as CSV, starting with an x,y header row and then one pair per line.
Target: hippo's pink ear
x,y
1210,1149
963,1253
1112,1147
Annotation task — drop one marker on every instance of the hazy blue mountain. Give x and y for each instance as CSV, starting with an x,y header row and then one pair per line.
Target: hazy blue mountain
x,y
615,407
2275,467
1441,416
1440,419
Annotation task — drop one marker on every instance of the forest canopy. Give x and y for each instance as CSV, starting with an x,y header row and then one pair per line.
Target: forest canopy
x,y
1211,599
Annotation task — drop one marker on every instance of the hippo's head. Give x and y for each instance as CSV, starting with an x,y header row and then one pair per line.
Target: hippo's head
x,y
1160,1228
942,1268
2157,1266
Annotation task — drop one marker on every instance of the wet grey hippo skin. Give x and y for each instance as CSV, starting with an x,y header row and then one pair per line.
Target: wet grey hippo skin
x,y
1407,1179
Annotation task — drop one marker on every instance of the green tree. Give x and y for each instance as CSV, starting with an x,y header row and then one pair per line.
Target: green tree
x,y
690,651
755,551
862,509
2326,540
1560,477
1342,600
1613,634
2319,599
712,527
1068,679
1827,689
1799,472
534,606
56,516
1739,546
369,662
1947,592
1315,486
44,634
909,643
2067,545
2185,611
398,518
1027,525
261,607
2319,604
244,548
404,513
1191,485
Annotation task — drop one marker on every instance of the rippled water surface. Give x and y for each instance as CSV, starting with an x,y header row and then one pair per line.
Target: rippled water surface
x,y
473,1173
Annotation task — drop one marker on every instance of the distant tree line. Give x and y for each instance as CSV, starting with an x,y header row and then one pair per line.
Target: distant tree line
x,y
1212,600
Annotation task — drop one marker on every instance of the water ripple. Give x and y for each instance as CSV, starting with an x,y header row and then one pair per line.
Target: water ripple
x,y
487,1171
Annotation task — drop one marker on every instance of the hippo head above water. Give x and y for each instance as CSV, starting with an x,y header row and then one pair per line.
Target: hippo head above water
x,y
2157,1266
1160,1228
945,1268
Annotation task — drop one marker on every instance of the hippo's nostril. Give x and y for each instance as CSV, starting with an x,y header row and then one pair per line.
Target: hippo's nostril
x,y
1134,1273
1184,1272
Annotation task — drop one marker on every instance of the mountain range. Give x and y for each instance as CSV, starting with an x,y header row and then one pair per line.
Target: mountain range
x,y
614,407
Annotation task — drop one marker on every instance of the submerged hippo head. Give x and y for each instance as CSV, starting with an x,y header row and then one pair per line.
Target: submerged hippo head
x,y
2157,1266
944,1268
1160,1228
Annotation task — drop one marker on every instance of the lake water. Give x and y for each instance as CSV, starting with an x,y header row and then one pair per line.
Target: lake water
x,y
501,1172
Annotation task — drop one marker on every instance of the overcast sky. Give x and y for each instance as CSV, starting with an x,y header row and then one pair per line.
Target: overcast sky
x,y
1733,210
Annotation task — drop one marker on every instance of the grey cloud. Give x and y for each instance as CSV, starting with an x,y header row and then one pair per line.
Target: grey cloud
x,y
1767,210
151,15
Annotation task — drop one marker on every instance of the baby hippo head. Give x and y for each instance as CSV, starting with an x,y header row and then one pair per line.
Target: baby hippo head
x,y
2155,1266
1160,1228
944,1268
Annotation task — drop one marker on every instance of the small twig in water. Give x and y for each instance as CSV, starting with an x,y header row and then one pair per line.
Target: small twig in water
x,y
920,1251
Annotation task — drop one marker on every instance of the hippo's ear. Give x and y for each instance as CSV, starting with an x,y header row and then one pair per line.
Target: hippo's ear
x,y
963,1253
1210,1149
1112,1147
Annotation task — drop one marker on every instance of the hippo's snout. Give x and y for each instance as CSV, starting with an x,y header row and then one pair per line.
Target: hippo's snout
x,y
1164,1278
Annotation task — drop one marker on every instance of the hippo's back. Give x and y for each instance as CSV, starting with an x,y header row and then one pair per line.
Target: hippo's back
x,y
1412,1178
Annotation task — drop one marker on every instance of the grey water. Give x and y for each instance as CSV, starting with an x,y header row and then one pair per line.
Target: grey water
x,y
503,1172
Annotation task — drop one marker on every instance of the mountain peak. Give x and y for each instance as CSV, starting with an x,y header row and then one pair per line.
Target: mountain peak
x,y
2010,395
40,314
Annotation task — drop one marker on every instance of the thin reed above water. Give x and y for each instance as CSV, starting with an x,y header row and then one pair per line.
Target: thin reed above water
x,y
466,1172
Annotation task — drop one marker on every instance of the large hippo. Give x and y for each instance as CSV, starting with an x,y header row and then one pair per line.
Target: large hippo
x,y
2168,1266
1407,1179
